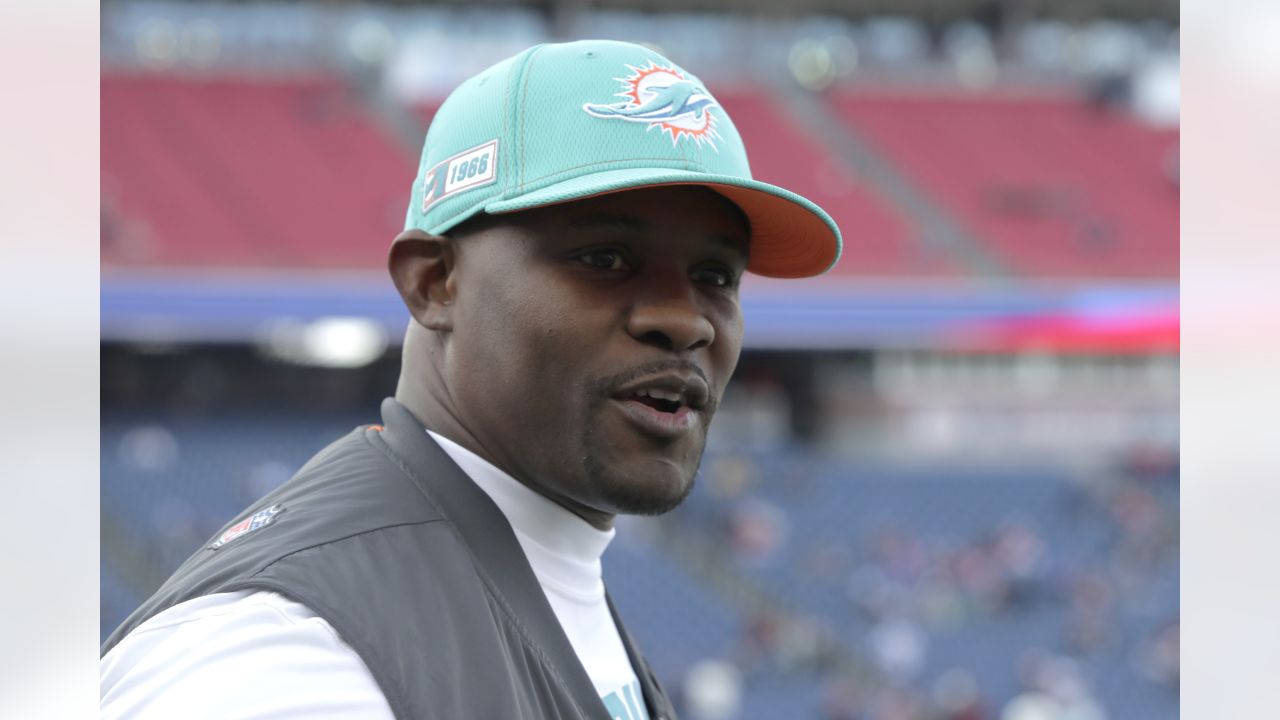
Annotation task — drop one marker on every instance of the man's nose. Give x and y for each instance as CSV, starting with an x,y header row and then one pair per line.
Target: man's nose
x,y
670,317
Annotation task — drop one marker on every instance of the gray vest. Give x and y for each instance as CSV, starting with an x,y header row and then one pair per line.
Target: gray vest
x,y
384,537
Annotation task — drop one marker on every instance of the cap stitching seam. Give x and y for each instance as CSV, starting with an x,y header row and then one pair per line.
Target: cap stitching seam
x,y
506,127
520,114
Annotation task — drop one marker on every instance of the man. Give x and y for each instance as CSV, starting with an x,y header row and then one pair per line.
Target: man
x,y
570,264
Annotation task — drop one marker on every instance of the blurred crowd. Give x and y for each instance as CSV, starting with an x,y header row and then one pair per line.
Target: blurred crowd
x,y
1098,598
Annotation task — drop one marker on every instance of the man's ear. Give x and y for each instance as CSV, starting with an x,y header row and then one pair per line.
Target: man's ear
x,y
422,268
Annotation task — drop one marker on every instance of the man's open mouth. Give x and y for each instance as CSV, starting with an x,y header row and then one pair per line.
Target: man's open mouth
x,y
667,405
660,400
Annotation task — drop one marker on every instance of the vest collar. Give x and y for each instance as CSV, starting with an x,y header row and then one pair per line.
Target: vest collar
x,y
499,560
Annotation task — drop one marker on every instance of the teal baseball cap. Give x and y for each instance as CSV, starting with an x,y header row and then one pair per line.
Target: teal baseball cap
x,y
564,122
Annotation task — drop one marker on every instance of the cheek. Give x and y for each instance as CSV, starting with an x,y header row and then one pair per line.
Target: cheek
x,y
523,350
728,347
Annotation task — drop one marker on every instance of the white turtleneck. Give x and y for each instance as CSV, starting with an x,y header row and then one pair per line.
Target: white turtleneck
x,y
246,653
564,551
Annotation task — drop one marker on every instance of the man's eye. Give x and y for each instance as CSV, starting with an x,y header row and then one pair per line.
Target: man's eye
x,y
604,259
717,277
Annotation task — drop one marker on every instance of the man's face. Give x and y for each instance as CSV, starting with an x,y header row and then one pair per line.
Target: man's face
x,y
592,341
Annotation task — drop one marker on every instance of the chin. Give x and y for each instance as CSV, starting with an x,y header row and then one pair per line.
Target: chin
x,y
653,490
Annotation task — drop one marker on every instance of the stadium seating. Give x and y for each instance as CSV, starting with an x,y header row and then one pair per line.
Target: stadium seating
x,y
856,545
233,171
861,545
683,621
1051,186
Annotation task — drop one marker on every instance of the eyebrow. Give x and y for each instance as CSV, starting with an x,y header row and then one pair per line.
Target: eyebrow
x,y
629,223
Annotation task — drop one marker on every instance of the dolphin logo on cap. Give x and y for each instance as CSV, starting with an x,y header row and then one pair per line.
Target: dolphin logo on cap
x,y
667,103
662,97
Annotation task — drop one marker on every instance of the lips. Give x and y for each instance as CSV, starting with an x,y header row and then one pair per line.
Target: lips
x,y
667,391
661,400
666,406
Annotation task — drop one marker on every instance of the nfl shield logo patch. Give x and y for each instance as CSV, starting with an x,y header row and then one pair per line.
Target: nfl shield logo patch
x,y
258,520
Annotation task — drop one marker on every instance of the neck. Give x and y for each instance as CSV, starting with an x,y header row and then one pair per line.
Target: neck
x,y
423,391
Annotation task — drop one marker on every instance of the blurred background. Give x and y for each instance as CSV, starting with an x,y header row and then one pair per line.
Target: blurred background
x,y
944,481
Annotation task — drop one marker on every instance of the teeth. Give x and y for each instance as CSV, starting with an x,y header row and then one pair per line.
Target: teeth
x,y
660,395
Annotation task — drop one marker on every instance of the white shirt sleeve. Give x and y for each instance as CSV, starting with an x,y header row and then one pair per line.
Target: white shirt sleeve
x,y
234,656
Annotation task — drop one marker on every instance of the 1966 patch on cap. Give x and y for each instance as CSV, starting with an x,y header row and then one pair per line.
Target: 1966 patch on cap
x,y
468,169
258,520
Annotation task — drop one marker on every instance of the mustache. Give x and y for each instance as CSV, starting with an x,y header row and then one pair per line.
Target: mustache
x,y
604,386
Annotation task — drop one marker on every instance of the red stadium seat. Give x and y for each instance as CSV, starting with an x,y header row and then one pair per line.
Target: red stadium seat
x,y
270,172
1051,186
246,172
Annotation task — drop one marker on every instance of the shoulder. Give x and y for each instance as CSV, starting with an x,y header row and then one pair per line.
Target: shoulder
x,y
350,490
237,654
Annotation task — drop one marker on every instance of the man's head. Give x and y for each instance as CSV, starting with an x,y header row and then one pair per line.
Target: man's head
x,y
571,262
582,348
